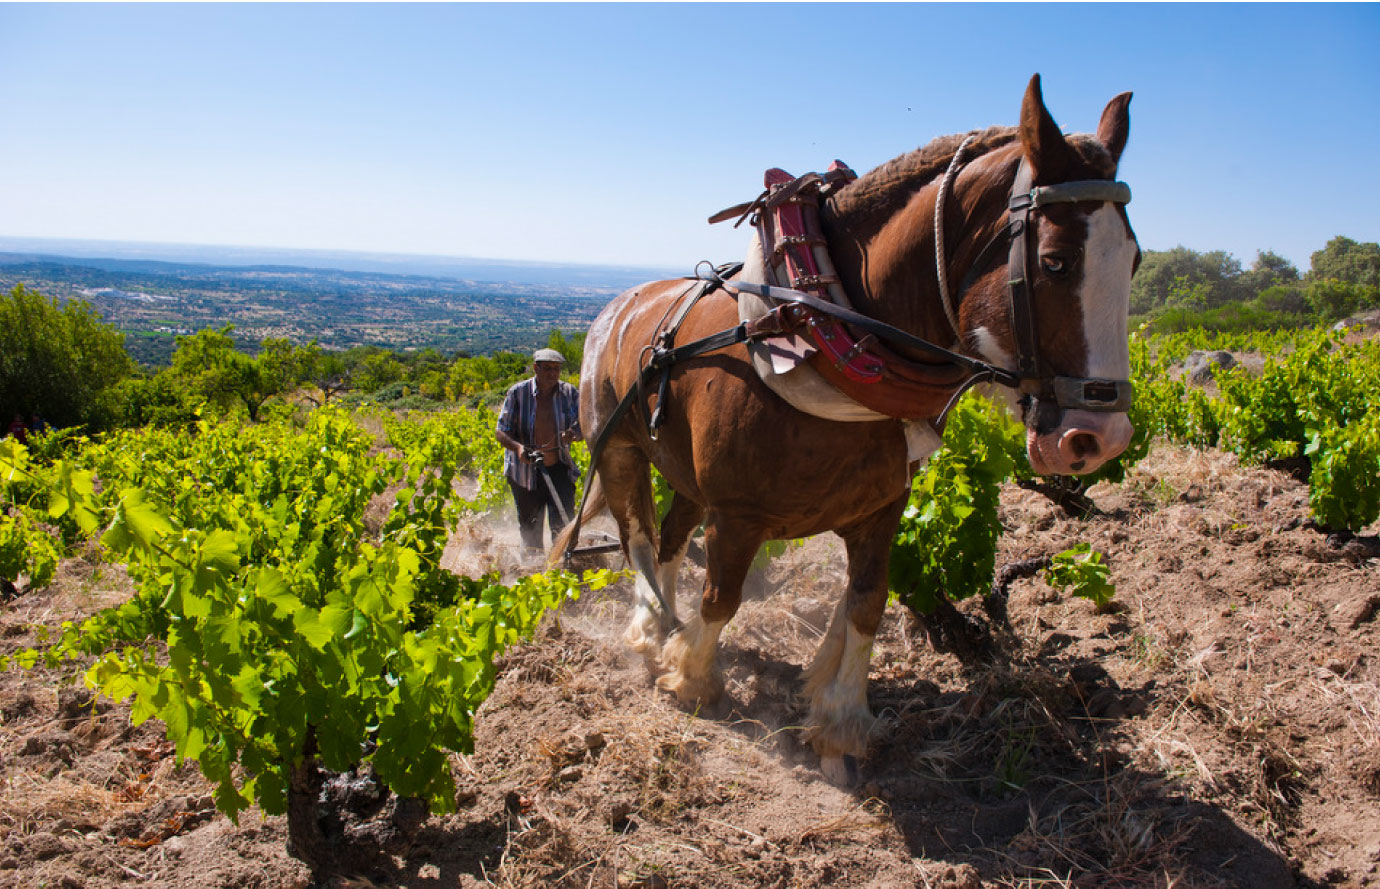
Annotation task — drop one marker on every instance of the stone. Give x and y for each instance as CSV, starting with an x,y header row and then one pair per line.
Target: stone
x,y
1201,366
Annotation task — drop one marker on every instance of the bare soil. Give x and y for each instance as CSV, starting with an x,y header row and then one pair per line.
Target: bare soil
x,y
1220,727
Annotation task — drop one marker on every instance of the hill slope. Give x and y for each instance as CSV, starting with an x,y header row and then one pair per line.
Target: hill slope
x,y
154,301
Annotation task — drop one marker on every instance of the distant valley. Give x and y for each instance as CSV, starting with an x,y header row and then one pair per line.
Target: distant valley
x,y
153,293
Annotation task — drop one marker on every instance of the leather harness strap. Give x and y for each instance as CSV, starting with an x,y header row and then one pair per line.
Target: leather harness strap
x,y
664,352
663,356
1021,305
1079,393
880,329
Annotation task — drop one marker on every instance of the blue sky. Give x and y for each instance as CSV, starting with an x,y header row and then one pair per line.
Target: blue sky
x,y
608,133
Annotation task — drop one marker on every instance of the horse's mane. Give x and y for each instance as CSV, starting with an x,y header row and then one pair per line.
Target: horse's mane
x,y
905,174
914,169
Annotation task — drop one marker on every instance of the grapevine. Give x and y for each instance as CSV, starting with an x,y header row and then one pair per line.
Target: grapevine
x,y
27,549
1081,571
1311,409
947,541
266,615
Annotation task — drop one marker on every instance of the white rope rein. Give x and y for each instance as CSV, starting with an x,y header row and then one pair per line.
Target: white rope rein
x,y
941,264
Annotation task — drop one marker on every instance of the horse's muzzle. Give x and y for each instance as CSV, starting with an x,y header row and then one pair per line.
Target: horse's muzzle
x,y
1079,444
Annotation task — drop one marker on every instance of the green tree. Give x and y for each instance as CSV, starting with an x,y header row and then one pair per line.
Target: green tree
x,y
210,366
486,377
572,347
205,363
327,371
1288,298
1332,298
1269,270
160,400
60,363
1165,276
377,368
1348,261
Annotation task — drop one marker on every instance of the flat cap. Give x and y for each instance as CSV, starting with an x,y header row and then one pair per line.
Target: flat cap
x,y
548,355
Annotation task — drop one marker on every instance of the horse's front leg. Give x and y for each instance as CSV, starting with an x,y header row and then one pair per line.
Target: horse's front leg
x,y
836,681
688,657
651,622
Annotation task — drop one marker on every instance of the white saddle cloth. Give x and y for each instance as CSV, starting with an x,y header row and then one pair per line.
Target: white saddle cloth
x,y
785,371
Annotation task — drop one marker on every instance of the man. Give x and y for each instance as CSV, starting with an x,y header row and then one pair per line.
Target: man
x,y
539,420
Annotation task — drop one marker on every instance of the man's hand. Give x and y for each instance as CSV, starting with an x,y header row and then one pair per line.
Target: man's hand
x,y
531,455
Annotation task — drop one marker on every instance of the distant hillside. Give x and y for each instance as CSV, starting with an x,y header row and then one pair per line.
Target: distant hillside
x,y
454,267
153,300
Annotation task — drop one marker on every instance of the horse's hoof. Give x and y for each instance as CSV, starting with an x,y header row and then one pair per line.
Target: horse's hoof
x,y
697,692
644,640
643,644
840,771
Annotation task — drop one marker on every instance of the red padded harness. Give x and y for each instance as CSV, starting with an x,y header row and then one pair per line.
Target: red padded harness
x,y
795,251
790,233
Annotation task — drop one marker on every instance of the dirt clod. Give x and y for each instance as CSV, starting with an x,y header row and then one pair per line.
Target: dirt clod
x,y
1365,611
43,846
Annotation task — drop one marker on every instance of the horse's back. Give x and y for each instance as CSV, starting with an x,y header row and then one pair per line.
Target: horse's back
x,y
615,342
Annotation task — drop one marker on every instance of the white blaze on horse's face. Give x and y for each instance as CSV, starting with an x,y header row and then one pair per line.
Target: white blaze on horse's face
x,y
1105,294
1084,440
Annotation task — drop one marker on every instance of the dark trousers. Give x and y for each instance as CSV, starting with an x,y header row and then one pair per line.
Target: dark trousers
x,y
531,504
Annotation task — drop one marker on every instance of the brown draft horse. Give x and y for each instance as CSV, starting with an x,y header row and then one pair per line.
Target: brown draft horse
x,y
751,467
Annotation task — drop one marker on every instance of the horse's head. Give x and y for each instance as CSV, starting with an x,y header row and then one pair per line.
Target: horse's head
x,y
1056,313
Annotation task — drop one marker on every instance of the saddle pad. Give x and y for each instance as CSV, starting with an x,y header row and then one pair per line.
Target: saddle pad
x,y
781,363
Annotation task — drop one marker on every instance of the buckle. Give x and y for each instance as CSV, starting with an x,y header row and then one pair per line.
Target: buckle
x,y
1093,394
858,348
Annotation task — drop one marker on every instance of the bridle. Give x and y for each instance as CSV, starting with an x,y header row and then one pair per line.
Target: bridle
x,y
1030,377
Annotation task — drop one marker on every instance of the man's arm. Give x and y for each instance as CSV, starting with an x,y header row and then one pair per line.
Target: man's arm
x,y
572,431
508,441
505,423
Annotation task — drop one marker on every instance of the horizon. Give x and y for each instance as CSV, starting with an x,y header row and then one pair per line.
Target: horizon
x,y
158,251
471,269
483,133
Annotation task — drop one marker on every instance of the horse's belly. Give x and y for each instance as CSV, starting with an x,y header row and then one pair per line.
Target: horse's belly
x,y
753,454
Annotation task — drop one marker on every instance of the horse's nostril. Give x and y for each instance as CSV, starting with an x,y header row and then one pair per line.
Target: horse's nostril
x,y
1082,445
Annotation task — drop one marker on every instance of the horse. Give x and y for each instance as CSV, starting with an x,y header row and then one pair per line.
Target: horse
x,y
753,459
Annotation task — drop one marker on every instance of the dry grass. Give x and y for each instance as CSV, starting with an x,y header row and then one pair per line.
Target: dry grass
x,y
30,799
1360,701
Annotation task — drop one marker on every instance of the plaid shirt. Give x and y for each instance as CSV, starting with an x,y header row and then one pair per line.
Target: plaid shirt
x,y
519,416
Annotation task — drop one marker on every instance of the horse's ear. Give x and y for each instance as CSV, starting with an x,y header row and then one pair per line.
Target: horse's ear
x,y
1115,125
1046,149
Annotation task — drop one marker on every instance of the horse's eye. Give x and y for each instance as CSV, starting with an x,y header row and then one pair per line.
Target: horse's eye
x,y
1055,265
